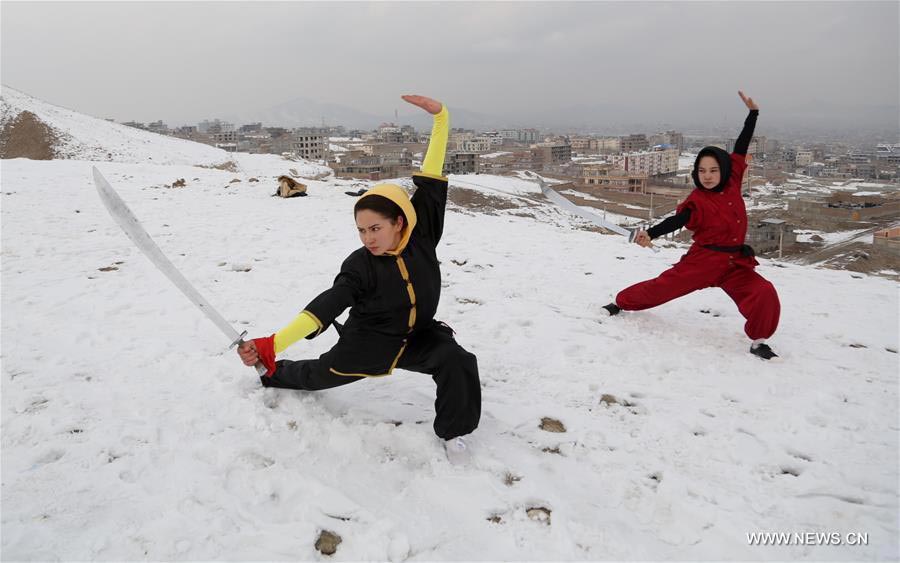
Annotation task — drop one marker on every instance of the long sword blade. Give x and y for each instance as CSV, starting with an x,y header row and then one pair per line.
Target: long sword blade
x,y
139,236
561,201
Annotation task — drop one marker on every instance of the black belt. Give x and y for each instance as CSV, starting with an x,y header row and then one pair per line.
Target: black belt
x,y
744,249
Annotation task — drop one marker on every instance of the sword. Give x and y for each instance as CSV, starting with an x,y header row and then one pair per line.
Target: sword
x,y
139,236
559,200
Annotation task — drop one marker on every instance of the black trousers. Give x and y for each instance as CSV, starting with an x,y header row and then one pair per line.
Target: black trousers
x,y
432,351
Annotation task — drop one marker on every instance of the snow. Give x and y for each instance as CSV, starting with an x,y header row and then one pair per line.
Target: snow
x,y
589,159
498,185
582,195
802,181
87,138
130,432
766,197
805,235
857,184
495,154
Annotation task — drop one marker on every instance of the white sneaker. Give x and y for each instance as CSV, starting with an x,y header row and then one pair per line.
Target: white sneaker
x,y
457,451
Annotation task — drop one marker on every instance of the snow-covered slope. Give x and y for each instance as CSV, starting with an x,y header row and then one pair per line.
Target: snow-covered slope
x,y
129,432
81,137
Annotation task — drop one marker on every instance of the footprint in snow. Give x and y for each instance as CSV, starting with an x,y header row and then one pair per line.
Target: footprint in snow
x,y
791,470
799,455
540,514
47,458
254,460
35,405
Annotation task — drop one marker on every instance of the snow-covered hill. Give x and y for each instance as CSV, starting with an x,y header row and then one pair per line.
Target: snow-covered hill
x,y
129,432
81,137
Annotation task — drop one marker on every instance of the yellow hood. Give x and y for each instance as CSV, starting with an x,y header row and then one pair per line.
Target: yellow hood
x,y
398,195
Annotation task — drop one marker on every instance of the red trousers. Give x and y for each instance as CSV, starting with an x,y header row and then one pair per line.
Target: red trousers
x,y
754,295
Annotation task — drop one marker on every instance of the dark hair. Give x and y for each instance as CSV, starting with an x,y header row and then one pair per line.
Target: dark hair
x,y
724,160
381,205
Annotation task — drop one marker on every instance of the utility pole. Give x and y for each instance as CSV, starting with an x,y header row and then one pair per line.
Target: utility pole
x,y
749,183
780,239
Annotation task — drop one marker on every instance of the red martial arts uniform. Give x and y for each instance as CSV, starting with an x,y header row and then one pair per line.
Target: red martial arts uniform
x,y
718,219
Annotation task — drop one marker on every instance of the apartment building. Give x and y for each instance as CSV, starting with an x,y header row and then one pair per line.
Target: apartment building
x,y
310,144
551,153
672,138
651,163
757,146
804,157
606,176
609,145
458,162
634,143
583,145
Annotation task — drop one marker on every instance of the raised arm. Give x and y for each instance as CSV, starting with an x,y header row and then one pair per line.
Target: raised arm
x,y
430,199
433,162
743,141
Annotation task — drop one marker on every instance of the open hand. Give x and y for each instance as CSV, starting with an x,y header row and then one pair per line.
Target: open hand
x,y
748,101
431,106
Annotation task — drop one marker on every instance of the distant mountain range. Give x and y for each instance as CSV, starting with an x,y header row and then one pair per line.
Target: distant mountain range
x,y
304,112
603,117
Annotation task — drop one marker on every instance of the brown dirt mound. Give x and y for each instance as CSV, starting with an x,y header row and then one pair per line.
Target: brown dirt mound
x,y
228,166
865,258
472,199
26,136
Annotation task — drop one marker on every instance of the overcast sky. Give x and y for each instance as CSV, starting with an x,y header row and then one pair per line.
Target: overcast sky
x,y
807,63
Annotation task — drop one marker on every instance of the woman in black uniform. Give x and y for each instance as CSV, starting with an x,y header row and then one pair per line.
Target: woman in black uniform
x,y
392,286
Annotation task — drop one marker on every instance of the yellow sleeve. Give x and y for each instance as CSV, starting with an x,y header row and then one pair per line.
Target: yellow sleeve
x,y
301,327
437,145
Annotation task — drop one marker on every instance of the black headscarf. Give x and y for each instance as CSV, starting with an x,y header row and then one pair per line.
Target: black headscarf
x,y
724,160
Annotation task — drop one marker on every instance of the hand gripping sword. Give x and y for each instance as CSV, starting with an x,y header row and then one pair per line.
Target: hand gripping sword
x,y
132,227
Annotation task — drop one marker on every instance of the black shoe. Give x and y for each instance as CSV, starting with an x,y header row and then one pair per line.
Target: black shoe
x,y
612,309
763,351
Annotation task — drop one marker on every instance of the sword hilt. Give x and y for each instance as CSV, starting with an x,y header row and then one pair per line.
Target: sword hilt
x,y
260,368
632,234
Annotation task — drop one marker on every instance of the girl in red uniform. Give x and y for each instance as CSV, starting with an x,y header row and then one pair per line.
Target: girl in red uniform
x,y
715,212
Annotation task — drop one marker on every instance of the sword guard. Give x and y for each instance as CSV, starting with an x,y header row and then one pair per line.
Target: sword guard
x,y
260,368
632,234
239,341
